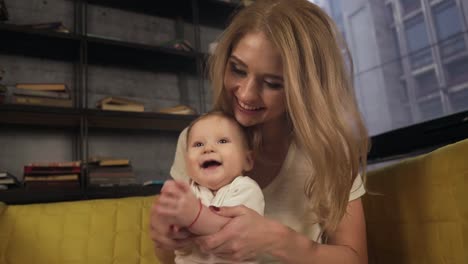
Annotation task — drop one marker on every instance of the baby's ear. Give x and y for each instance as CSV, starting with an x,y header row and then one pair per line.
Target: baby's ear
x,y
249,161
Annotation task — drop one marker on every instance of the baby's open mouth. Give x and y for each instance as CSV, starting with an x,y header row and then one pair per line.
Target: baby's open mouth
x,y
210,164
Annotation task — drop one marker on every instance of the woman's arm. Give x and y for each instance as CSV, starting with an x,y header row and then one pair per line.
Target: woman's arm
x,y
249,234
346,245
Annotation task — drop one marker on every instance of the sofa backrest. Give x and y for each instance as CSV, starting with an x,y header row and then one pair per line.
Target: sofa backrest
x,y
96,231
420,211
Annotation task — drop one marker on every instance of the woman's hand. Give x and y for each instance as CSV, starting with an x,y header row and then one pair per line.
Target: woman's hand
x,y
244,237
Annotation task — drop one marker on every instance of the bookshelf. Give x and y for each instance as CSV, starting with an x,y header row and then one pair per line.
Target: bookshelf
x,y
82,51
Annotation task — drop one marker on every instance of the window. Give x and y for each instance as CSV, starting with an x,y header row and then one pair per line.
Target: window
x,y
389,14
418,43
449,28
409,6
459,100
426,83
457,72
431,109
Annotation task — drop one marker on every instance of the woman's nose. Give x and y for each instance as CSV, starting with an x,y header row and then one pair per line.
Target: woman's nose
x,y
248,90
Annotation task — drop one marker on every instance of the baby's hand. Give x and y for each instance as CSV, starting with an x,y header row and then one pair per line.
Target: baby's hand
x,y
178,203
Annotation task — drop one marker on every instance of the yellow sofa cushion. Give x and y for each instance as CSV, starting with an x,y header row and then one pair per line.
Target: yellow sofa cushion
x,y
421,214
109,231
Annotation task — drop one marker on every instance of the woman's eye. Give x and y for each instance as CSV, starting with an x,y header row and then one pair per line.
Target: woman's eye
x,y
198,144
223,141
274,86
238,71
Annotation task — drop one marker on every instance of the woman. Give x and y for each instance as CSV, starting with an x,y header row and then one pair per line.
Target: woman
x,y
278,68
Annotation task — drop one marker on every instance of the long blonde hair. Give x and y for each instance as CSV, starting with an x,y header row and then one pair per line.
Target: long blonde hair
x,y
320,100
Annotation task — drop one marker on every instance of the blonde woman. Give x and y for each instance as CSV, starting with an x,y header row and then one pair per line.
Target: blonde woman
x,y
279,70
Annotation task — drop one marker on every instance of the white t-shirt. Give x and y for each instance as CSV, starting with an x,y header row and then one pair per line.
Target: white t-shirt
x,y
241,191
284,197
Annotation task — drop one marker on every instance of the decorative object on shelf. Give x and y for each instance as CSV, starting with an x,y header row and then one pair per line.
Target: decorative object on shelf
x,y
115,103
44,94
3,92
52,175
3,11
8,181
56,26
108,172
179,44
153,182
178,110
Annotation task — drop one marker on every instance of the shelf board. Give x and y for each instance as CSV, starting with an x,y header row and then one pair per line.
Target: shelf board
x,y
39,43
213,13
25,196
39,116
103,51
137,121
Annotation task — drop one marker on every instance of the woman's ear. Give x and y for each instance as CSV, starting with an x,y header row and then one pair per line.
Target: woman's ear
x,y
249,161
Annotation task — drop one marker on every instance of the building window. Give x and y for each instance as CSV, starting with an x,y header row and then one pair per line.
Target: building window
x,y
403,94
397,51
389,14
449,28
431,109
409,6
457,71
418,44
426,83
459,100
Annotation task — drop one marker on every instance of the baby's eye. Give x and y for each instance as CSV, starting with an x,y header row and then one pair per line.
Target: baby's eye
x,y
198,144
223,141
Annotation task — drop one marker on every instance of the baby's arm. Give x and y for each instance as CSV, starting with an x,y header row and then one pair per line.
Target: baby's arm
x,y
183,209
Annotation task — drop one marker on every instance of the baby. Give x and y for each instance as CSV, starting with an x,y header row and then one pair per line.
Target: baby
x,y
217,156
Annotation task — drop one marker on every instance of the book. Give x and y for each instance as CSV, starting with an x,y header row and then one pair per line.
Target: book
x,y
114,162
9,179
125,108
62,177
42,86
41,101
75,163
56,26
178,110
115,103
118,101
32,170
52,185
38,93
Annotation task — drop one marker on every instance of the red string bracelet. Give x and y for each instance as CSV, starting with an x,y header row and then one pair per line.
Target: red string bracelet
x,y
198,215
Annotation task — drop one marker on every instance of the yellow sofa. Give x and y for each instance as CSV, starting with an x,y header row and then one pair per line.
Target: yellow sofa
x,y
107,231
420,212
420,215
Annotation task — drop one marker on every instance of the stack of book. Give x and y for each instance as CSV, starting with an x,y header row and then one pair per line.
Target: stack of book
x,y
114,103
8,181
44,94
52,175
108,172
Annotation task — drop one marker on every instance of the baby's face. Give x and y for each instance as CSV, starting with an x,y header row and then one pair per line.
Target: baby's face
x,y
216,152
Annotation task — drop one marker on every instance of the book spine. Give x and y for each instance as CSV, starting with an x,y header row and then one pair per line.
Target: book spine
x,y
42,101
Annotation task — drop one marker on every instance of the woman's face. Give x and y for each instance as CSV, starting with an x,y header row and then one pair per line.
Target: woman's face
x,y
254,81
